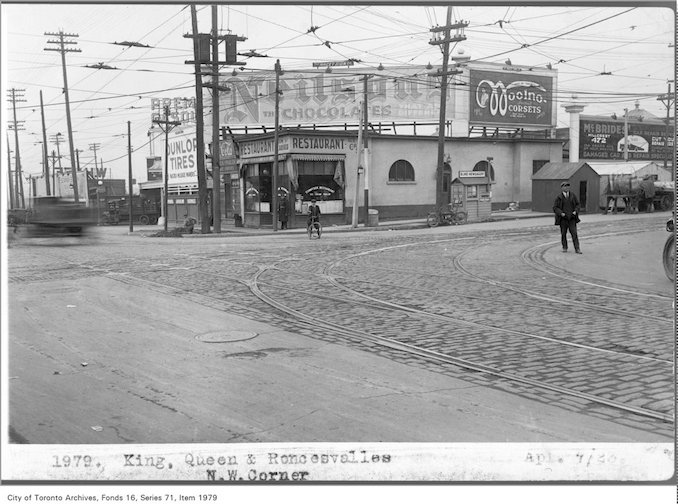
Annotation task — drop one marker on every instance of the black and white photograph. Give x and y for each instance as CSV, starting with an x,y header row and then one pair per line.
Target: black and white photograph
x,y
260,244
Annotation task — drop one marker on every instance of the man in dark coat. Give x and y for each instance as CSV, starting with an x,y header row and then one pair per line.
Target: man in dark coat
x,y
283,212
566,208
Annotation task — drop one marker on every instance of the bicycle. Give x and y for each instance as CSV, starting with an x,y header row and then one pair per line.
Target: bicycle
x,y
451,215
314,228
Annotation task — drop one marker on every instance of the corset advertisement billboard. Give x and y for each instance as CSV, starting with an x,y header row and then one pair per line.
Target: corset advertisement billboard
x,y
515,99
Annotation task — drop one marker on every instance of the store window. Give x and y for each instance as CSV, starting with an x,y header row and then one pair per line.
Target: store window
x,y
401,171
485,166
258,187
322,181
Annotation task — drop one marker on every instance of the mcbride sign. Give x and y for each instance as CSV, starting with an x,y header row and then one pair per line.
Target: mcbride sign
x,y
511,99
605,140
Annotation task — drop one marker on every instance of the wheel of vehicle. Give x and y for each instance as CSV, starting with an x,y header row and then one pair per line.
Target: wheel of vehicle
x,y
432,220
666,203
669,257
144,220
460,218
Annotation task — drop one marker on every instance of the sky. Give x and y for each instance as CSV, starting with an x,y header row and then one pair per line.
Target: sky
x,y
610,57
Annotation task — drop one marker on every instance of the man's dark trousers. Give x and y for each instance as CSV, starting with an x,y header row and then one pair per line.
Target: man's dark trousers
x,y
570,224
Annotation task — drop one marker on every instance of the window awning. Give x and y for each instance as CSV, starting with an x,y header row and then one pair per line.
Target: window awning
x,y
319,157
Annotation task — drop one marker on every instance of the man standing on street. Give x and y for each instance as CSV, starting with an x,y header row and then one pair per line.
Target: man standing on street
x,y
566,208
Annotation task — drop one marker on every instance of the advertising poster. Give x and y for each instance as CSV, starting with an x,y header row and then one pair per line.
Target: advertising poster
x,y
511,98
606,140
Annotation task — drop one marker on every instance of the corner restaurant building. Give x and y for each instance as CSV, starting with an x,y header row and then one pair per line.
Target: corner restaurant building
x,y
500,125
401,173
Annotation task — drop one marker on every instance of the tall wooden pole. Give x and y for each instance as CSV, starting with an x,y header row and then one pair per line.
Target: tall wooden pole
x,y
129,176
443,105
216,169
45,152
274,193
199,127
9,174
366,153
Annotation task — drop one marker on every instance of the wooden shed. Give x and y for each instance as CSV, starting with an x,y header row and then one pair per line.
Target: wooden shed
x,y
584,183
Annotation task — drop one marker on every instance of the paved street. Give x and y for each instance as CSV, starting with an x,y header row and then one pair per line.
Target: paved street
x,y
483,332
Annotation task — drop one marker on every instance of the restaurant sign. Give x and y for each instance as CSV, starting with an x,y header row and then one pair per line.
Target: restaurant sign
x,y
501,98
298,144
606,140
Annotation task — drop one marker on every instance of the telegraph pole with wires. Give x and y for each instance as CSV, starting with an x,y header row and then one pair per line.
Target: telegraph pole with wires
x,y
166,126
366,178
16,95
9,174
62,42
668,100
129,176
443,74
45,151
57,139
274,193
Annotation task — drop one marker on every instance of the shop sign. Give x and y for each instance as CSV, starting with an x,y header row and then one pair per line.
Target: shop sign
x,y
471,174
154,168
606,140
309,97
183,159
319,191
511,99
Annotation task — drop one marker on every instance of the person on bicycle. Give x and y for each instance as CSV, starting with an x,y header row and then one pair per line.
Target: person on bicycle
x,y
313,213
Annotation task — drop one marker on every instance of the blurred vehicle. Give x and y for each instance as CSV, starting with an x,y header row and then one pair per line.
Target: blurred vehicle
x,y
669,253
16,216
54,216
144,211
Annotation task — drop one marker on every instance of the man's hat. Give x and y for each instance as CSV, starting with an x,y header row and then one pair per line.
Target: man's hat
x,y
564,184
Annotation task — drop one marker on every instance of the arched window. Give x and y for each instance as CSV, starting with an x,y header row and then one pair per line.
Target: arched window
x,y
487,167
401,171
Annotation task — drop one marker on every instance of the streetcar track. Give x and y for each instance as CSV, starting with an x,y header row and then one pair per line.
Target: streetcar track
x,y
434,355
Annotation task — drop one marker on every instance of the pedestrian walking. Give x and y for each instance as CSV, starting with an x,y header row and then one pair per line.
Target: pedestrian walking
x,y
283,211
566,208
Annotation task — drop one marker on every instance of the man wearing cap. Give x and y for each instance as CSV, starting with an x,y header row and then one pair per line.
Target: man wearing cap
x,y
566,208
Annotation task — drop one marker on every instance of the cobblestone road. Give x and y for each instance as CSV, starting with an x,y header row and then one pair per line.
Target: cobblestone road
x,y
499,301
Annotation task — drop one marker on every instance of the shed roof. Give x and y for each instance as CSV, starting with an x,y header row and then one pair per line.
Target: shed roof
x,y
558,171
602,168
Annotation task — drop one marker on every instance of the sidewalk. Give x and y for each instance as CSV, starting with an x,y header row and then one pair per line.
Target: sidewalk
x,y
227,225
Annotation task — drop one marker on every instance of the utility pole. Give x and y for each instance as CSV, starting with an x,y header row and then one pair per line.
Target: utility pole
x,y
366,153
57,140
668,100
626,138
9,174
199,125
129,175
166,126
63,50
445,42
45,152
77,158
359,168
16,95
94,147
216,169
54,161
274,193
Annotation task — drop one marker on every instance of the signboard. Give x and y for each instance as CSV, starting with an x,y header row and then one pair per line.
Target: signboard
x,y
400,94
153,168
227,157
182,160
298,144
605,140
471,174
180,109
501,98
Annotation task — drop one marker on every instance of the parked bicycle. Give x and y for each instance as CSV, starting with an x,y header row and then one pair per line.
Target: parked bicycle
x,y
448,214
